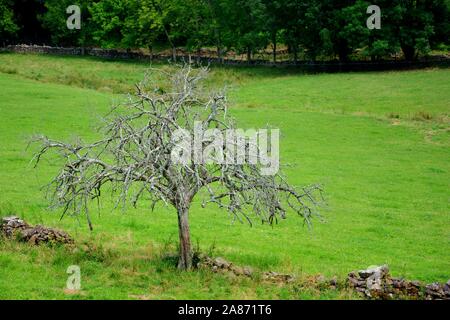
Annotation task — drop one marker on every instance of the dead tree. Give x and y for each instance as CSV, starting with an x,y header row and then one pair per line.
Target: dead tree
x,y
135,157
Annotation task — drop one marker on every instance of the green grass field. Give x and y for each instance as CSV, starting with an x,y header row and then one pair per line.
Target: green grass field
x,y
378,142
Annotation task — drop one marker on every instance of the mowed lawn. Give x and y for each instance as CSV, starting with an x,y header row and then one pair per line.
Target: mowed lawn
x,y
378,142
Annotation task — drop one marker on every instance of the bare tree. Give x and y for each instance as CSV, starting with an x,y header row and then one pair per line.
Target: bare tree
x,y
135,157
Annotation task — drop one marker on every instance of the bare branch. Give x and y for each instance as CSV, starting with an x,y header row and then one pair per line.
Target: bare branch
x,y
134,157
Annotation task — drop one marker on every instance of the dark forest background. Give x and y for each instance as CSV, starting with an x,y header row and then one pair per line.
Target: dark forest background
x,y
276,29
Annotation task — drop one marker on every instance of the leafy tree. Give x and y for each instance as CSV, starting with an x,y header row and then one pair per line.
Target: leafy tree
x,y
309,25
315,36
221,33
441,15
148,25
54,20
165,9
25,16
292,29
185,23
274,22
383,42
415,26
114,23
327,43
8,26
353,30
247,21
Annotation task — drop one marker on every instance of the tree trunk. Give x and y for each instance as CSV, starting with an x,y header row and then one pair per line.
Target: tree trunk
x,y
249,55
220,54
185,260
295,55
274,47
174,54
343,51
150,50
83,43
408,51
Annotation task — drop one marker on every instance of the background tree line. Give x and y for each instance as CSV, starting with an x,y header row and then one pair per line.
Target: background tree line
x,y
311,29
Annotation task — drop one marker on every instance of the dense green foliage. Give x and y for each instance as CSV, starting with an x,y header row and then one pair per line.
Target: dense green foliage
x,y
313,29
8,27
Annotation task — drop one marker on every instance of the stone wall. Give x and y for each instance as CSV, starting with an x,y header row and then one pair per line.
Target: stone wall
x,y
200,57
377,283
14,227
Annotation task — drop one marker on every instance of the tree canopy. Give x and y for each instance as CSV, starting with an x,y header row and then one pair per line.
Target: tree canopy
x,y
313,29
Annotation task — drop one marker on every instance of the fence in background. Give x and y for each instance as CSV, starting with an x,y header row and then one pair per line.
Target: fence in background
x,y
307,66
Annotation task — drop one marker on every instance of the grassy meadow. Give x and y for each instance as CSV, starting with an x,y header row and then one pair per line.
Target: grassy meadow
x,y
379,143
